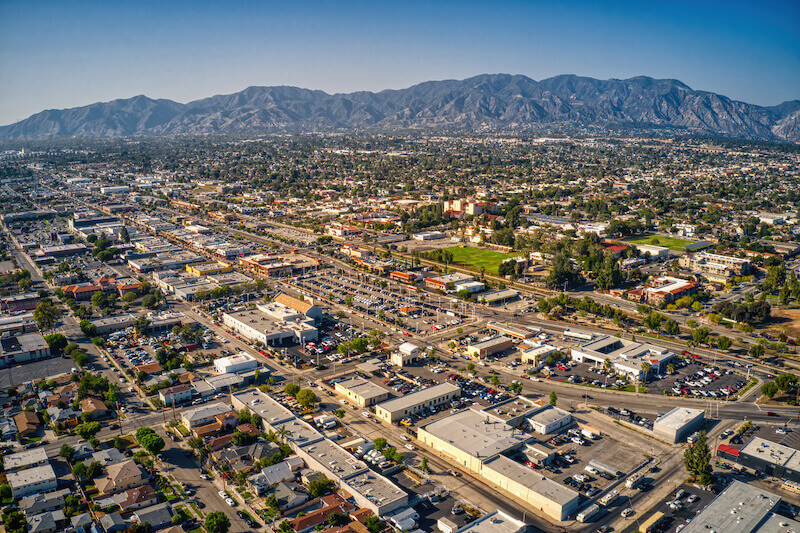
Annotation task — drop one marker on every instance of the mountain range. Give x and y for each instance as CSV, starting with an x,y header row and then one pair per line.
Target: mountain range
x,y
488,101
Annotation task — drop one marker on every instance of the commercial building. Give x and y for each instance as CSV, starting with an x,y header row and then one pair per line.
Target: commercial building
x,y
394,410
478,442
407,354
442,282
471,286
549,497
488,347
32,481
306,306
429,235
667,290
272,324
537,354
549,420
499,297
678,424
361,392
740,508
719,265
208,269
770,458
368,489
23,348
625,356
657,253
277,265
494,522
236,364
510,330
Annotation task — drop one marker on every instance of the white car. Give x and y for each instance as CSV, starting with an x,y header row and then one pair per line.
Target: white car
x,y
410,447
626,512
230,502
365,414
223,495
403,437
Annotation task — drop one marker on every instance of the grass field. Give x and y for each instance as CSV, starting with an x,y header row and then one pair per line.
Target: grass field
x,y
668,242
479,257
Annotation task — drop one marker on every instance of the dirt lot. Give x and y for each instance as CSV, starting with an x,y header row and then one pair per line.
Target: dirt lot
x,y
789,321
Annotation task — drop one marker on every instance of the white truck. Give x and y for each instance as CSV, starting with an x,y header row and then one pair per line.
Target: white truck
x,y
588,434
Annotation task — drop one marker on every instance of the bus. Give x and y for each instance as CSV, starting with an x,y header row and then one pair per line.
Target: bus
x,y
652,524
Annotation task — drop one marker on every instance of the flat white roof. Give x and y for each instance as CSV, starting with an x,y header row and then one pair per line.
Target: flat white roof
x,y
416,398
679,417
476,433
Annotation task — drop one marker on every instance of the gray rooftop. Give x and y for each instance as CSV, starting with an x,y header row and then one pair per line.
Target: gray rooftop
x,y
779,524
375,488
773,453
740,508
532,480
416,398
494,522
24,458
476,433
301,433
678,417
205,411
335,458
363,388
264,406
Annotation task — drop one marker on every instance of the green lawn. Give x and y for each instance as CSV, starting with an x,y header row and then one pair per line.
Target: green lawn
x,y
668,242
479,257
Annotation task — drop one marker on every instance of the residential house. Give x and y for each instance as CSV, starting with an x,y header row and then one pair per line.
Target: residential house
x,y
95,407
82,450
107,457
120,477
176,395
42,503
113,523
333,503
25,459
136,498
32,481
49,522
27,423
66,417
82,523
290,495
158,516
242,458
204,414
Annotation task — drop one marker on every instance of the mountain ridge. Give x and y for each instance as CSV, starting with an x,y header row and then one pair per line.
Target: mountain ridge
x,y
486,101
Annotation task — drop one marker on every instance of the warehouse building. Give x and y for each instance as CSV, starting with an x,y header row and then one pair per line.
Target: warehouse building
x,y
478,442
740,508
510,330
678,424
488,347
543,494
770,458
394,410
361,392
236,364
494,522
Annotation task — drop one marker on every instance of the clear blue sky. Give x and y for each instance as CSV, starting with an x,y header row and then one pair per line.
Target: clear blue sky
x,y
72,53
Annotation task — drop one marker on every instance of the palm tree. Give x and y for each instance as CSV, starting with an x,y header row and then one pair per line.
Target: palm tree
x,y
283,434
645,369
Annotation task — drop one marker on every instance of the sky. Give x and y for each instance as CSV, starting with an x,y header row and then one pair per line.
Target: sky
x,y
67,54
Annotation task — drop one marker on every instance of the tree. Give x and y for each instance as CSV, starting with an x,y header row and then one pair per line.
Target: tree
x,y
100,299
495,380
553,397
645,369
424,464
57,342
340,413
5,491
336,519
724,343
320,486
373,524
141,325
66,452
379,443
149,440
94,470
757,350
79,470
653,321
697,459
217,522
88,430
700,335
671,327
46,315
285,527
786,382
306,397
769,389
291,389
88,328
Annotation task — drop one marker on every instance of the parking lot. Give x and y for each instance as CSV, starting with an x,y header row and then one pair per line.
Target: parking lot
x,y
678,507
387,300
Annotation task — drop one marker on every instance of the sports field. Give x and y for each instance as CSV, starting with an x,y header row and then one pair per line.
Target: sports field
x,y
659,240
479,257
